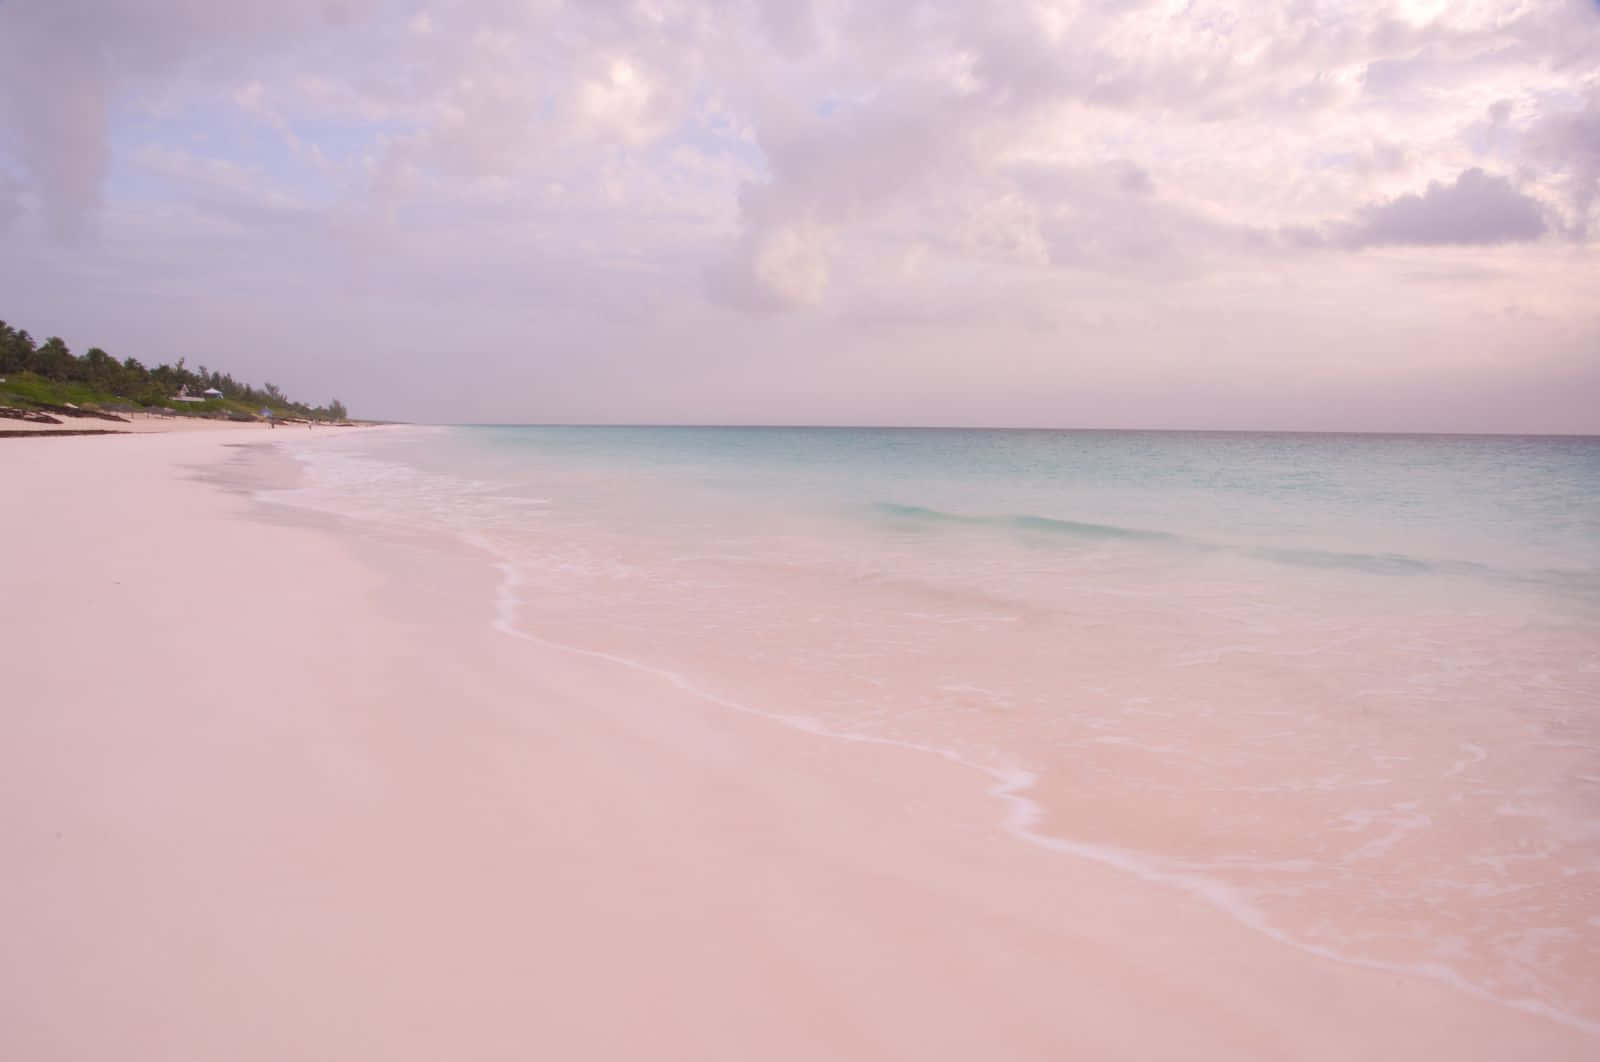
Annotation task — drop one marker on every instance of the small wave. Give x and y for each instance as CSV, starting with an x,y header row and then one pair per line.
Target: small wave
x,y
1078,529
1024,522
1578,582
1377,563
925,515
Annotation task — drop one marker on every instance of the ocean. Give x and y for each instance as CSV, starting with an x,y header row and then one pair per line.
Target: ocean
x,y
1346,688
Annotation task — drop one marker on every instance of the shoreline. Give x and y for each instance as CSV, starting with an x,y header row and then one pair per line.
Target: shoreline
x,y
353,817
1015,791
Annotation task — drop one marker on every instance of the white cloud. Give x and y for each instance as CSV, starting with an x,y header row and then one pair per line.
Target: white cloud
x,y
618,100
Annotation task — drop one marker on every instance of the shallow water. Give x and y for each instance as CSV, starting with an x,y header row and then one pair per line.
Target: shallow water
x,y
1347,688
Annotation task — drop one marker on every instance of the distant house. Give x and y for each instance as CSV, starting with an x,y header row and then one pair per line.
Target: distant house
x,y
183,395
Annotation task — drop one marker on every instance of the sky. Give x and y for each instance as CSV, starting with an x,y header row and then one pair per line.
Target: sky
x,y
1312,214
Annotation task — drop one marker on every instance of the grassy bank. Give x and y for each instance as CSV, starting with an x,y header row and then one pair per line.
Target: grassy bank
x,y
27,390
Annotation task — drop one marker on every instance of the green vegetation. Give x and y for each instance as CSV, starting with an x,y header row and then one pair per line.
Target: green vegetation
x,y
50,374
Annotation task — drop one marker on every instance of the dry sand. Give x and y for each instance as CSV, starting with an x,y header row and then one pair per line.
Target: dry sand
x,y
276,790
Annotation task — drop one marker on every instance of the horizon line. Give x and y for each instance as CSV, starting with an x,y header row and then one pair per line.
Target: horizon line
x,y
982,427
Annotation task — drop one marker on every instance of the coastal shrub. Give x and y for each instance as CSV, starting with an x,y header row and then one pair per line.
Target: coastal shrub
x,y
49,373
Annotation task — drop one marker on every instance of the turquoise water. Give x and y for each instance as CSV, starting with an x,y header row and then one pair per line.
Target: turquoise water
x,y
1345,687
1514,506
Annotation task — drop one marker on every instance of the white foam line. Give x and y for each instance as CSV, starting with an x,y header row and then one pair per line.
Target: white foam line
x,y
1022,815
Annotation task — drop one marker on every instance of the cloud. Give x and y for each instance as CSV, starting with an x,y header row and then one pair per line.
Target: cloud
x,y
1569,142
620,100
65,63
1100,183
1476,209
777,268
55,100
790,25
1269,119
829,173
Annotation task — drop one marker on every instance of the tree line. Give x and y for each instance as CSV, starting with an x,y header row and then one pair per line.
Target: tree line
x,y
129,379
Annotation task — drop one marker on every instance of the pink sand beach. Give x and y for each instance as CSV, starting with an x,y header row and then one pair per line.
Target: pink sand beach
x,y
278,787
